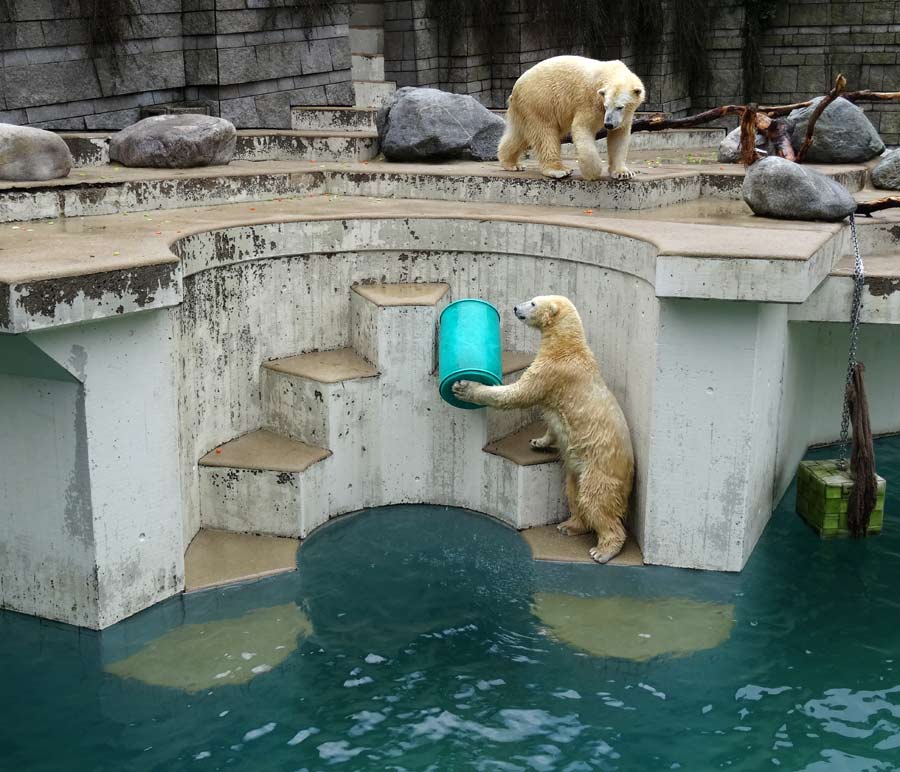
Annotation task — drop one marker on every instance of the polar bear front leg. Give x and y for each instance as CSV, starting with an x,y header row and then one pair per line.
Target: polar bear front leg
x,y
617,142
589,160
517,395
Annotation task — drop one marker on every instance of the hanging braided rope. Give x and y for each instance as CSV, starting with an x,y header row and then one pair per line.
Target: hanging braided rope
x,y
859,277
863,494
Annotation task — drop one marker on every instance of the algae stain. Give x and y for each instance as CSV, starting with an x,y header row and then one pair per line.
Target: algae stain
x,y
638,629
221,653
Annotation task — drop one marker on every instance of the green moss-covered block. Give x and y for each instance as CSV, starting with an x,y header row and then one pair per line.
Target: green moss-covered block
x,y
823,492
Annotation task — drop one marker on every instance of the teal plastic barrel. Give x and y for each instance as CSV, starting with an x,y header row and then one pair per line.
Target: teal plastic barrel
x,y
469,347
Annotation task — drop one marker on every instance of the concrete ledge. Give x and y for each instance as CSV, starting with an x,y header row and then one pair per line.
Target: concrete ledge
x,y
547,543
266,451
219,558
517,447
390,295
324,366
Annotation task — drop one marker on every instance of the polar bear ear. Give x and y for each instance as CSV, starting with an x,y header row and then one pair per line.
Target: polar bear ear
x,y
553,308
601,92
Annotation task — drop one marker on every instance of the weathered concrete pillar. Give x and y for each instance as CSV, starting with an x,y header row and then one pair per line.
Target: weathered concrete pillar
x,y
716,408
90,523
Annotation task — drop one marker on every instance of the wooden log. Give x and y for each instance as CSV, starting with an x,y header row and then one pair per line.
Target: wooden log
x,y
661,122
748,135
839,84
866,208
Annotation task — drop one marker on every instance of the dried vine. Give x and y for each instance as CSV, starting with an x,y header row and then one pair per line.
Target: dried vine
x,y
758,15
105,20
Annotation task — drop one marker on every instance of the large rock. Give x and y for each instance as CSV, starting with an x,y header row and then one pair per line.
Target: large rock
x,y
28,154
175,142
842,134
424,124
730,147
886,174
774,187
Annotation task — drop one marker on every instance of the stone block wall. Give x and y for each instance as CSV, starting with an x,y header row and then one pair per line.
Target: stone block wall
x,y
250,60
809,43
803,48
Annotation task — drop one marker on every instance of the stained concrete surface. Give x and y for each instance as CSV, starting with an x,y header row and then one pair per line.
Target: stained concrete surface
x,y
216,558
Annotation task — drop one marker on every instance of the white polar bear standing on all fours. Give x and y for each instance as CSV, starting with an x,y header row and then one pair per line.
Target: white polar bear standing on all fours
x,y
576,96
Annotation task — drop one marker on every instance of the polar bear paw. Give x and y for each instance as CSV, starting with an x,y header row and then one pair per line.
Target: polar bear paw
x,y
541,443
512,167
464,390
556,174
605,554
622,174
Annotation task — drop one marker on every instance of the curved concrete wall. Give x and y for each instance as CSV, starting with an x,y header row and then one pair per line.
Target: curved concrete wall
x,y
256,294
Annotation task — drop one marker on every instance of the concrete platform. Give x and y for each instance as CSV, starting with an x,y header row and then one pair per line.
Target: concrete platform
x,y
547,543
265,451
325,366
411,294
517,448
218,558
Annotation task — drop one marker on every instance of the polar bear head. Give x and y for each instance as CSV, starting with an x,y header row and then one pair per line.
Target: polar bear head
x,y
620,98
546,312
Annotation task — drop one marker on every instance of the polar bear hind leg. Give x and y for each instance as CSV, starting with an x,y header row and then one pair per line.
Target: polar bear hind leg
x,y
599,499
512,145
575,525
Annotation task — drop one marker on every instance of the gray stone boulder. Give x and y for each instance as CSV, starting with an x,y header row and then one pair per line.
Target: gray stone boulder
x,y
28,154
175,142
774,187
842,135
730,147
425,124
886,174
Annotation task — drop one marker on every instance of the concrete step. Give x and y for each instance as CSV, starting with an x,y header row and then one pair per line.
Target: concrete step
x,y
532,482
257,484
218,558
367,39
372,93
394,325
365,67
319,397
333,118
326,145
355,140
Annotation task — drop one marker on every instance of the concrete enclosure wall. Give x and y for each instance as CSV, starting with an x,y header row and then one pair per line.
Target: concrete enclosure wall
x,y
305,271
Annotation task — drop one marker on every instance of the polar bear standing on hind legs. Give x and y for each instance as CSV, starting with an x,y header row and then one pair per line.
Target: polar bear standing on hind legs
x,y
584,421
576,96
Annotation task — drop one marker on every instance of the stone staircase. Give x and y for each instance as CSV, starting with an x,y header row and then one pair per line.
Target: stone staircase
x,y
367,55
347,429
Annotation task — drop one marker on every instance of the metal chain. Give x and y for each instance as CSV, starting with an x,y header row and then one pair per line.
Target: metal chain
x,y
859,277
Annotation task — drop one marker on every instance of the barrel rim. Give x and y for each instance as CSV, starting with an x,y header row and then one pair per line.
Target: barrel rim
x,y
463,375
470,300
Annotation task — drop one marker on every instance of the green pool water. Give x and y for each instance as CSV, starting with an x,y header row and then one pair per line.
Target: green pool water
x,y
425,638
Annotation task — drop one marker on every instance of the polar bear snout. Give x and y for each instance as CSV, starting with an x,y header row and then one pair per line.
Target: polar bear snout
x,y
612,120
524,310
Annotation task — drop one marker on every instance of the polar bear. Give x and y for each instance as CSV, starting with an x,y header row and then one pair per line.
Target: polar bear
x,y
584,421
576,96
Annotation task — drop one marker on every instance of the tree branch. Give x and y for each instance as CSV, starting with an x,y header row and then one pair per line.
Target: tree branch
x,y
865,208
839,84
